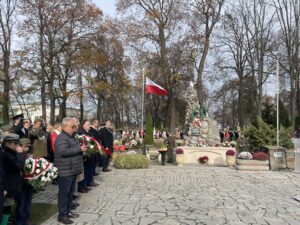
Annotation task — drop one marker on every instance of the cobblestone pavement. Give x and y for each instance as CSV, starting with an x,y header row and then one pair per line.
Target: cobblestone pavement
x,y
187,195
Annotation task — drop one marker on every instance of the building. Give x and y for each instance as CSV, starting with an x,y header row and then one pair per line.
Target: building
x,y
34,111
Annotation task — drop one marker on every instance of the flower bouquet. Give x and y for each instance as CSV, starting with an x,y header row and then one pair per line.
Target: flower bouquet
x,y
132,143
245,155
39,172
203,159
92,144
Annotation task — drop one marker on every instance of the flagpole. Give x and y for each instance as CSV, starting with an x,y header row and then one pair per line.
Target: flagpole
x,y
277,78
143,99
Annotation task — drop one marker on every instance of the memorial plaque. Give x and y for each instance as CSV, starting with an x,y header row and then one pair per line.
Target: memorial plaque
x,y
196,131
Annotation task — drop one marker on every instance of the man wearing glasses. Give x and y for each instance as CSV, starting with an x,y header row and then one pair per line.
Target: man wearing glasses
x,y
68,159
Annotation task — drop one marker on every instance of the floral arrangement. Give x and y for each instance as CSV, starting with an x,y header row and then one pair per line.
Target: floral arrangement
x,y
245,155
203,159
179,151
39,172
226,144
132,143
92,144
230,152
260,156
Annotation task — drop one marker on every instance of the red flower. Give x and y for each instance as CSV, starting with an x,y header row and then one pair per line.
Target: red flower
x,y
203,159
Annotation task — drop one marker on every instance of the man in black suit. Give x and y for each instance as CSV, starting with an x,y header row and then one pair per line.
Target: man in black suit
x,y
24,131
107,140
95,133
18,123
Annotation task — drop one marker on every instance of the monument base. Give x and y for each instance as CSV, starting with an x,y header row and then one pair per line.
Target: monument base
x,y
216,155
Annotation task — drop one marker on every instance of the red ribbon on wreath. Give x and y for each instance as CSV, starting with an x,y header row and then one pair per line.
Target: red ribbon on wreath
x,y
106,150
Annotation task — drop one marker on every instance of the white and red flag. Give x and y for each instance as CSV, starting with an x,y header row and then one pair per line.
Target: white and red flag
x,y
153,88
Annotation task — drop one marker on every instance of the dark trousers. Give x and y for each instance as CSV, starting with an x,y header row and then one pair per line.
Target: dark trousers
x,y
23,205
89,166
1,204
94,164
105,161
66,188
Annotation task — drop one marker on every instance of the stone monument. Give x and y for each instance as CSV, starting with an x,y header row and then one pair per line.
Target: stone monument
x,y
200,130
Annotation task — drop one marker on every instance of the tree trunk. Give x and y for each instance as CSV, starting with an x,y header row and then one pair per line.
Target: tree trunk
x,y
80,98
200,86
6,88
99,103
42,63
241,115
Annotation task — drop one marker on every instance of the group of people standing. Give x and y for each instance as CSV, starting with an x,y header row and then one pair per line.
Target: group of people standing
x,y
58,144
228,135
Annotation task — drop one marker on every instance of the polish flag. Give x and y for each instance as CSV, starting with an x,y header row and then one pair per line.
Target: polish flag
x,y
153,88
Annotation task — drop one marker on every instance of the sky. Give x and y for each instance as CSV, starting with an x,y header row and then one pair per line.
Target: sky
x,y
107,6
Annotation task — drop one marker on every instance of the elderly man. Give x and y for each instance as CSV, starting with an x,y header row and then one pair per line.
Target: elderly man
x,y
68,160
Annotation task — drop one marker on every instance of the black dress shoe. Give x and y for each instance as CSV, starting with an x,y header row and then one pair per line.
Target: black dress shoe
x,y
93,184
106,170
65,220
75,196
83,190
96,174
75,204
72,215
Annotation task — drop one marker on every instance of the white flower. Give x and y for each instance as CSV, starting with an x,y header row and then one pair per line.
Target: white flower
x,y
87,139
43,166
37,171
43,179
27,161
92,147
28,165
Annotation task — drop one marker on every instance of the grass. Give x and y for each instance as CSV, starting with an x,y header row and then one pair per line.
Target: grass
x,y
40,212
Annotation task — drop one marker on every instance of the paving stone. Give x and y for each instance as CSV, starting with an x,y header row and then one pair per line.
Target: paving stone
x,y
186,195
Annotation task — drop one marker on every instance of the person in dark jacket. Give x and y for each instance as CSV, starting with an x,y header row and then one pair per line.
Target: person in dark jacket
x,y
24,200
24,131
13,163
94,131
68,159
3,184
107,140
18,123
89,162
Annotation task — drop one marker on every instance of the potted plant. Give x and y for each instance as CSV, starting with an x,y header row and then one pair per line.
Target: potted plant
x,y
203,159
257,161
179,156
230,157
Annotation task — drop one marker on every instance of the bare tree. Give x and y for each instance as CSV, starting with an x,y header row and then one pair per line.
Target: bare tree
x,y
7,9
205,15
288,14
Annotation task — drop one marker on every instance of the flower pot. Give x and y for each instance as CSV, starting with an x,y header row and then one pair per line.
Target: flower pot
x,y
180,159
250,164
230,160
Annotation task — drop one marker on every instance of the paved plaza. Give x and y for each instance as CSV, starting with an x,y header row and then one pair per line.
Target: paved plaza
x,y
173,195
